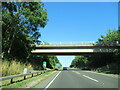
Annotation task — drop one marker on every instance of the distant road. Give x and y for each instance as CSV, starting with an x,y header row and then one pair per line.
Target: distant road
x,y
79,79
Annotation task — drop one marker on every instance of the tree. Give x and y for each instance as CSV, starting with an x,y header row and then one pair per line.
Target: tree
x,y
37,61
21,23
79,62
112,38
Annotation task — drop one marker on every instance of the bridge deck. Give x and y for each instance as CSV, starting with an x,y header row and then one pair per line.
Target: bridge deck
x,y
73,49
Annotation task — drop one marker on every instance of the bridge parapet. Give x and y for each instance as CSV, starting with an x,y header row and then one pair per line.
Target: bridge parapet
x,y
106,43
69,43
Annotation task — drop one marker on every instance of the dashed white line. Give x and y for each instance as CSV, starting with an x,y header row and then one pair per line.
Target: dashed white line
x,y
91,78
87,77
52,81
76,72
110,75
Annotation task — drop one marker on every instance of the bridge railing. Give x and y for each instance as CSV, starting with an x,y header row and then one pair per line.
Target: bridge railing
x,y
107,43
69,43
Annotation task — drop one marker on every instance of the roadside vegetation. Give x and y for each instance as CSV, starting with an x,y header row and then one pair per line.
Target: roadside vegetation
x,y
105,63
14,67
21,25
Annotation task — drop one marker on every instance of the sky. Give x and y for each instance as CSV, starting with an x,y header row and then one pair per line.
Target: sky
x,y
78,21
80,0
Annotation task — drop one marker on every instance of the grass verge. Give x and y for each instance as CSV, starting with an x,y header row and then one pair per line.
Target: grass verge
x,y
101,71
107,72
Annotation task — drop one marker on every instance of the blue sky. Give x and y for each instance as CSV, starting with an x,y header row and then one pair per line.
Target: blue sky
x,y
78,21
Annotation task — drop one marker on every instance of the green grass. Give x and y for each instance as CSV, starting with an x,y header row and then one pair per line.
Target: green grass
x,y
107,72
21,83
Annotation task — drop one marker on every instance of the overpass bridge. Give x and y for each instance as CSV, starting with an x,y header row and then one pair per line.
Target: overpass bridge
x,y
75,49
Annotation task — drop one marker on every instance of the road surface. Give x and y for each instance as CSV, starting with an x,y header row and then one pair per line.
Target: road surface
x,y
79,79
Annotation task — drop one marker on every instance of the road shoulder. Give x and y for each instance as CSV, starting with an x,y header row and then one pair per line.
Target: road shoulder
x,y
35,82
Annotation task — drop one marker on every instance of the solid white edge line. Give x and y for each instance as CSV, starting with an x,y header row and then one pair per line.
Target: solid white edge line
x,y
52,81
91,78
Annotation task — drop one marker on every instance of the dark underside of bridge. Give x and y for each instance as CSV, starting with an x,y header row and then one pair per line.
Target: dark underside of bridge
x,y
75,53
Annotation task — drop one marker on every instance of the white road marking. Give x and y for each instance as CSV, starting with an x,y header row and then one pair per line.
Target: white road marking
x,y
52,81
110,75
76,72
91,78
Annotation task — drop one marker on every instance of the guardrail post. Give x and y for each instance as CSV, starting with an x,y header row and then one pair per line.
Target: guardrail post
x,y
11,81
24,77
32,75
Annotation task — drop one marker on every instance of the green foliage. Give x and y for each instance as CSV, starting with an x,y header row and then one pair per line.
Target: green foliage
x,y
45,43
20,27
111,38
37,61
79,62
21,23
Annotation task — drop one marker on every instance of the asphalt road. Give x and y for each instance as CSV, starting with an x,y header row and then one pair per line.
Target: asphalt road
x,y
79,79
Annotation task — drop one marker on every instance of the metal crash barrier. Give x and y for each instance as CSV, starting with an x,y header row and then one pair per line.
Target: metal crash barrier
x,y
24,75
